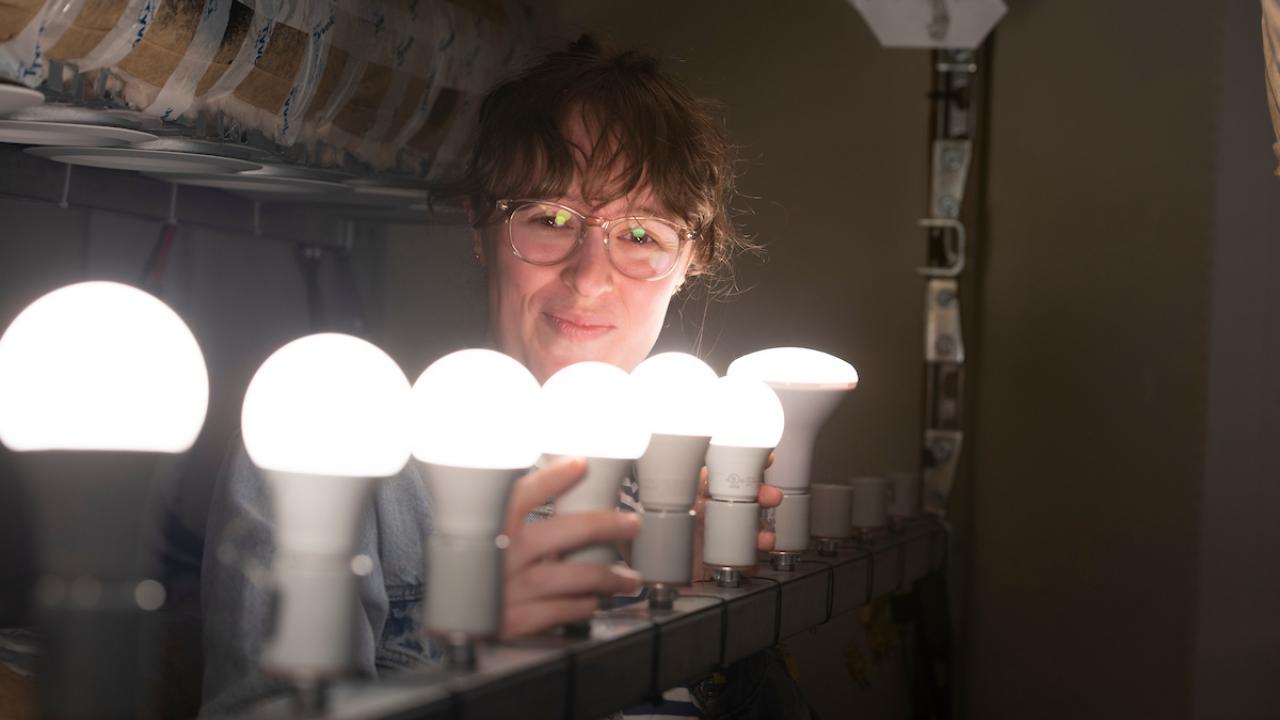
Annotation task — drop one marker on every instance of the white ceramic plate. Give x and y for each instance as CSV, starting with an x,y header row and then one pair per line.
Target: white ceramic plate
x,y
16,97
27,132
254,184
149,161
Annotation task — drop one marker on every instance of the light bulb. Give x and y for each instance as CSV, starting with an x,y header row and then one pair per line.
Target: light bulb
x,y
324,417
904,497
810,384
751,425
101,366
474,430
591,410
680,395
328,404
99,383
832,512
870,505
472,409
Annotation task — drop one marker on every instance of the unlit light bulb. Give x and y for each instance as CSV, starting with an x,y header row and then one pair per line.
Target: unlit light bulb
x,y
474,415
810,384
324,417
680,396
101,366
592,410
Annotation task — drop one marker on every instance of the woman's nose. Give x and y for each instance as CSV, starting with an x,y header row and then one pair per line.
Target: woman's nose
x,y
588,271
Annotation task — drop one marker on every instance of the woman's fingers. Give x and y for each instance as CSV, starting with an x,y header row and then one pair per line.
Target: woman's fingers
x,y
542,581
540,485
534,617
765,540
768,496
557,535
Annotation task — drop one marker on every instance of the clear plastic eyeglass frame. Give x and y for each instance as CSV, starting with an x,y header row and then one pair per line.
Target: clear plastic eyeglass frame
x,y
510,207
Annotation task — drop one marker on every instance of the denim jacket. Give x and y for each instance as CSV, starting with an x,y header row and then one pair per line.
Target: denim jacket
x,y
237,601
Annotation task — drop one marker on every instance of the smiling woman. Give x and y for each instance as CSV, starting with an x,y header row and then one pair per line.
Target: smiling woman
x,y
598,186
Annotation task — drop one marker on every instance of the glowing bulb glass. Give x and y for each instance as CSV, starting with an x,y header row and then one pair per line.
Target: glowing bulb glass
x,y
590,409
101,366
476,409
796,366
328,404
679,394
751,414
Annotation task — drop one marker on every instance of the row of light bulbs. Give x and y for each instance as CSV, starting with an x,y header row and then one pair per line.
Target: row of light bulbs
x,y
104,367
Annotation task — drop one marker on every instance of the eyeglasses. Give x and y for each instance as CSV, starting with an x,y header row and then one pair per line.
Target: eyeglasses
x,y
541,232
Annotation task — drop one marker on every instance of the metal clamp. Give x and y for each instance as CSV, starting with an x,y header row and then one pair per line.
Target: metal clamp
x,y
955,250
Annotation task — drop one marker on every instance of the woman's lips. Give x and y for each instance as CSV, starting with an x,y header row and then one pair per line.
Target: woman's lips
x,y
576,328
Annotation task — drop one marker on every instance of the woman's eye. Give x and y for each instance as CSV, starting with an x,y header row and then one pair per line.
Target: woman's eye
x,y
556,219
638,235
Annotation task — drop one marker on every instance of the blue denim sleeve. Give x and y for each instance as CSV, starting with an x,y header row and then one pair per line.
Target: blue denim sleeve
x,y
237,600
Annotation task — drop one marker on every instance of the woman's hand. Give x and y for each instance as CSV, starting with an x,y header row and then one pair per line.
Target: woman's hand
x,y
767,496
541,590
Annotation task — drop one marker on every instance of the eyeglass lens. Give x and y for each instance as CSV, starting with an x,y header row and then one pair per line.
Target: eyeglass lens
x,y
639,247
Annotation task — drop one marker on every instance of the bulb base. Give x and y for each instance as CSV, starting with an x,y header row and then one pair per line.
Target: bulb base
x,y
464,587
314,637
459,652
597,490
831,510
735,473
789,522
729,534
662,596
663,552
785,562
727,577
827,547
668,471
580,629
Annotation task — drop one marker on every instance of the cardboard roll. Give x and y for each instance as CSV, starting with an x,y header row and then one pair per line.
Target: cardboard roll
x,y
17,97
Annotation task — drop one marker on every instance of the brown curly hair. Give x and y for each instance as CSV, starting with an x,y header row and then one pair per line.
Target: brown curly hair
x,y
647,131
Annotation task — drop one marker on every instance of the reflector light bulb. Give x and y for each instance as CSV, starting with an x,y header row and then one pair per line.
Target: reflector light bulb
x,y
472,409
328,404
101,366
474,430
681,400
810,384
324,418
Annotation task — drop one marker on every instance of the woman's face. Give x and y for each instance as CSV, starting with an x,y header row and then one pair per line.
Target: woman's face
x,y
550,316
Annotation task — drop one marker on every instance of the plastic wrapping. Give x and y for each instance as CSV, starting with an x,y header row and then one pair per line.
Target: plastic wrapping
x,y
28,28
395,83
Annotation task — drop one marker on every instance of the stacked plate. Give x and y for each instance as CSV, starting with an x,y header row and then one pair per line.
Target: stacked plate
x,y
17,97
271,180
58,124
170,155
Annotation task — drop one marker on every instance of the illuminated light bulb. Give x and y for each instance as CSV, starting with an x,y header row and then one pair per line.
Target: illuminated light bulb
x,y
750,426
101,366
680,397
324,418
832,510
99,383
810,384
474,414
904,498
870,506
589,410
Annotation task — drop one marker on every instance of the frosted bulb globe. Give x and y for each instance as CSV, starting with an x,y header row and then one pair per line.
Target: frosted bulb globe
x,y
328,404
785,366
476,409
101,366
679,394
591,409
751,414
